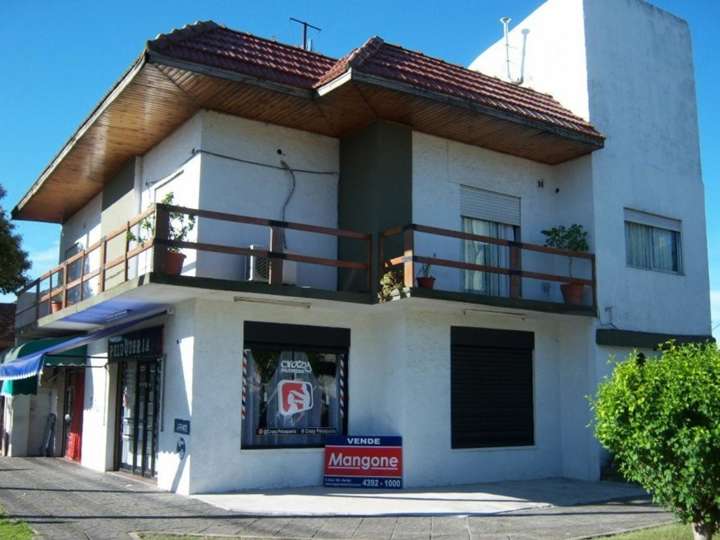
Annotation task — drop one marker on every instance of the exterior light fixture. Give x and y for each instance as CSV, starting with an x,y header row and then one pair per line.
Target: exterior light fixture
x,y
286,303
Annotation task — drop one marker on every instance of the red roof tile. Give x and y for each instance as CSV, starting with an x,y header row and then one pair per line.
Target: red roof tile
x,y
392,62
213,45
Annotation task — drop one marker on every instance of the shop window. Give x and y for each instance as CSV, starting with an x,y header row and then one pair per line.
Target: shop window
x,y
294,390
491,388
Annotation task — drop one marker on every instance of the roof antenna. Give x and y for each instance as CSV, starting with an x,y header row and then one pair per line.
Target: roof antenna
x,y
305,25
506,31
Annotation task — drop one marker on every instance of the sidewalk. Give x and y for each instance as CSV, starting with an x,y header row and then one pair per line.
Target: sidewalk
x,y
61,500
466,500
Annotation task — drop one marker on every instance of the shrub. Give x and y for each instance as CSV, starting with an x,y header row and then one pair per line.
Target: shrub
x,y
660,417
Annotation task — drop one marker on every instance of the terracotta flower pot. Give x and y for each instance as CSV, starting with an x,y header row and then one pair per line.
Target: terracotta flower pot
x,y
174,262
426,282
55,306
573,292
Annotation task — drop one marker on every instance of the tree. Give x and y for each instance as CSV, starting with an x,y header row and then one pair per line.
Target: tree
x,y
660,417
13,260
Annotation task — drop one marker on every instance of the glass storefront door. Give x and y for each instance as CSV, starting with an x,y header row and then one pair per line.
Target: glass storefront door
x,y
138,416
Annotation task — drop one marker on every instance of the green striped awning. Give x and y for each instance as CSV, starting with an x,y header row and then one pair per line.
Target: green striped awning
x,y
28,386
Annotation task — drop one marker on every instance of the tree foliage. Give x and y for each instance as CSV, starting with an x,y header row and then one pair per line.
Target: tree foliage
x,y
660,417
14,263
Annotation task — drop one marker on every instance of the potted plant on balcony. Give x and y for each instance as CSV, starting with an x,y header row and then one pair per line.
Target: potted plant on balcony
x,y
180,226
55,305
425,280
572,238
392,286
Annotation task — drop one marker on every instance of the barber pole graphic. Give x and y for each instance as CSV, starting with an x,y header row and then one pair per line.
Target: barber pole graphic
x,y
341,385
244,381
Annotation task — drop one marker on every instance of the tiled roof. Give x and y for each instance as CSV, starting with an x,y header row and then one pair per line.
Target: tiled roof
x,y
7,325
392,62
211,44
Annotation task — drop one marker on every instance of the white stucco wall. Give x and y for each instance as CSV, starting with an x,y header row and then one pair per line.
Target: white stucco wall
x,y
440,167
98,428
83,228
172,168
251,189
554,53
399,384
177,397
642,95
627,66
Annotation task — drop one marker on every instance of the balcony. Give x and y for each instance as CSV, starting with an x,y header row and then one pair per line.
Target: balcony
x,y
480,269
217,258
265,258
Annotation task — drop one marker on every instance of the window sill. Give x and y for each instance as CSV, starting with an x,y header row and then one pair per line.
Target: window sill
x,y
304,449
531,447
666,272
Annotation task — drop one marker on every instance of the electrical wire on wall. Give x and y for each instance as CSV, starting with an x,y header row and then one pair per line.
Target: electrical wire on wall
x,y
291,192
283,167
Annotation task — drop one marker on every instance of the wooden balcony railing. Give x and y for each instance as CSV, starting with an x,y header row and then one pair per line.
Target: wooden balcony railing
x,y
58,289
515,271
107,262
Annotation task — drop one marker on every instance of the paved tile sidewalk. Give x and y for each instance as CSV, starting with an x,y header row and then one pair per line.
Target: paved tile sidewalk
x,y
61,500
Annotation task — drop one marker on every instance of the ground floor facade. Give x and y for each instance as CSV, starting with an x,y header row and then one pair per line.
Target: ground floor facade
x,y
220,396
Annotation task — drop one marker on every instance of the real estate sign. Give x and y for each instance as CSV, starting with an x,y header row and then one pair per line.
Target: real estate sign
x,y
363,461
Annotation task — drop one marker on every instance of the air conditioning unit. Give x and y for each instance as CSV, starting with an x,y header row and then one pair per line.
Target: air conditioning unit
x,y
258,268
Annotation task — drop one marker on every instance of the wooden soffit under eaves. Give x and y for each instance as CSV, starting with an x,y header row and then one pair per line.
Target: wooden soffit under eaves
x,y
158,94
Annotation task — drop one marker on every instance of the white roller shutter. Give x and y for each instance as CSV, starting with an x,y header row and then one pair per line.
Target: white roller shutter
x,y
652,220
489,206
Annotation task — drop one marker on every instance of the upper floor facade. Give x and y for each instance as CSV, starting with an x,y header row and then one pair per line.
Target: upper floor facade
x,y
311,183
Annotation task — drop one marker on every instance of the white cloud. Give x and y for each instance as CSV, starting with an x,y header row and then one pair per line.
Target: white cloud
x,y
715,313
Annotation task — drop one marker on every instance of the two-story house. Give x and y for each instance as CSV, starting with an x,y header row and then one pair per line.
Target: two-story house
x,y
246,229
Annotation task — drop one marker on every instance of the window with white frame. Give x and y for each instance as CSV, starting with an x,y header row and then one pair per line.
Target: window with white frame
x,y
494,215
652,242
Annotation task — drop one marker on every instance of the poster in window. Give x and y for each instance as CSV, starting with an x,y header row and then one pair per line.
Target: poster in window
x,y
292,397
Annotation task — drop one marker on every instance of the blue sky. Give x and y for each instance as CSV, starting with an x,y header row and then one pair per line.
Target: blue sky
x,y
59,59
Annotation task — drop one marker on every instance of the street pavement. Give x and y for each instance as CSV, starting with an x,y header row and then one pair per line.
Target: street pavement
x,y
61,500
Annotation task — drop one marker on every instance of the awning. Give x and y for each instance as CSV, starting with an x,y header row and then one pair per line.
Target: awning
x,y
31,363
28,386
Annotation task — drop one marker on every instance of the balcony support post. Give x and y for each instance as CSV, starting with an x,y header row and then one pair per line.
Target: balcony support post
x,y
103,260
594,284
162,234
64,285
37,299
276,264
371,278
408,254
126,248
82,275
515,266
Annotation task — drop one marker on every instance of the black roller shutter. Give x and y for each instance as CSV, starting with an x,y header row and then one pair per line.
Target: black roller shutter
x,y
491,388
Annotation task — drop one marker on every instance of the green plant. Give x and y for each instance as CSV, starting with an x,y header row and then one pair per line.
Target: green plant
x,y
660,417
180,225
572,238
14,262
391,285
426,268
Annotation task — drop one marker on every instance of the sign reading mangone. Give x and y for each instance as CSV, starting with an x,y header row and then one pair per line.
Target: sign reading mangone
x,y
364,462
